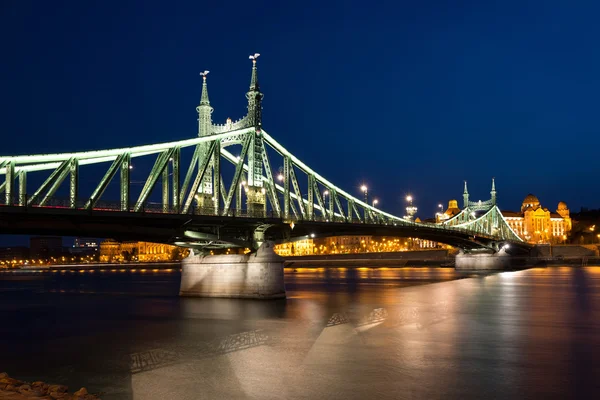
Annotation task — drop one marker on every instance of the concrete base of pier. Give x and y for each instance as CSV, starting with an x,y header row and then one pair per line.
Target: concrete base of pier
x,y
499,261
257,275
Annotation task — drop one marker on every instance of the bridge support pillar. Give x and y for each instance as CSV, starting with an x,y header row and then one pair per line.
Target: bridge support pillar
x,y
257,275
498,261
205,204
256,199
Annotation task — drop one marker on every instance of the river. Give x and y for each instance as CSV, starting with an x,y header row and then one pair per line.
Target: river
x,y
342,333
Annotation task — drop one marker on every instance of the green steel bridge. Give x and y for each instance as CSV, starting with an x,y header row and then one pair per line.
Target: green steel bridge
x,y
215,190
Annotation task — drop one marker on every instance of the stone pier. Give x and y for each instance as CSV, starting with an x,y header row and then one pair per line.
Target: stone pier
x,y
256,275
498,261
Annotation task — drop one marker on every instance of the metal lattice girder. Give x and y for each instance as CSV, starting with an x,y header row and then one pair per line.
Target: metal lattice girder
x,y
273,193
319,198
286,186
355,209
338,203
493,217
238,189
175,163
222,189
165,188
59,175
217,176
297,191
74,183
281,189
97,193
9,182
285,153
125,181
199,178
331,204
350,209
238,172
22,175
159,166
188,175
310,206
294,211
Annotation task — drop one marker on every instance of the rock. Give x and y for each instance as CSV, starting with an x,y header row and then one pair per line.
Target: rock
x,y
81,393
58,388
40,386
3,375
11,381
10,388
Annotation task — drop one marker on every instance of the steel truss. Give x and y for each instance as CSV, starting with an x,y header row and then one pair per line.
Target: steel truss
x,y
204,190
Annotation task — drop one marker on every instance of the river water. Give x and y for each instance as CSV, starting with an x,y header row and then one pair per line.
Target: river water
x,y
342,333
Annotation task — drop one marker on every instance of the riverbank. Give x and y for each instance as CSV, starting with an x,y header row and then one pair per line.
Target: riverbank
x,y
391,259
14,389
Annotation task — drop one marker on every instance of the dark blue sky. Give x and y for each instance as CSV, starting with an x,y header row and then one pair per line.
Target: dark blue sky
x,y
409,97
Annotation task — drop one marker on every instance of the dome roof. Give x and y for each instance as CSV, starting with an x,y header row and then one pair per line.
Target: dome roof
x,y
562,206
531,199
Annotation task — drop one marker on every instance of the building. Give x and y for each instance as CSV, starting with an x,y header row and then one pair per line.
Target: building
x,y
450,212
83,247
45,247
352,244
537,224
302,247
14,253
85,242
113,251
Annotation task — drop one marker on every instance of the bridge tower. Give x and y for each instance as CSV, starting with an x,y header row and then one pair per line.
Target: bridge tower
x,y
465,197
256,199
493,192
205,190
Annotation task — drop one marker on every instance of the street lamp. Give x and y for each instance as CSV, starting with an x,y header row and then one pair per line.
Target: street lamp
x,y
375,201
410,209
365,190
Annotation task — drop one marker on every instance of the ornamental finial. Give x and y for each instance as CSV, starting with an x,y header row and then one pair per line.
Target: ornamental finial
x,y
204,98
254,57
254,79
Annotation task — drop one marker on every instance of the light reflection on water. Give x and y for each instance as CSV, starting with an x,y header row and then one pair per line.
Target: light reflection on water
x,y
348,333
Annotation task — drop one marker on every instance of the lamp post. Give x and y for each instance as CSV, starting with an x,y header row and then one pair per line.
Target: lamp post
x,y
365,190
375,201
326,210
411,210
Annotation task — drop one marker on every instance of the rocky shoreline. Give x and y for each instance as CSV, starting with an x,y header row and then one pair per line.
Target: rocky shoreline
x,y
14,389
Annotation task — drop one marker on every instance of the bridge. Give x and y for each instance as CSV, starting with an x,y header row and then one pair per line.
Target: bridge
x,y
216,190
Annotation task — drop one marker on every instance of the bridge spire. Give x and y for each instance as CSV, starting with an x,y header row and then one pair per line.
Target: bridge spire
x,y
254,96
204,109
256,196
465,197
493,192
205,198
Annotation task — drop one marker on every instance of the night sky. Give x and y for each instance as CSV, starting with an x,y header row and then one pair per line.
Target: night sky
x,y
408,97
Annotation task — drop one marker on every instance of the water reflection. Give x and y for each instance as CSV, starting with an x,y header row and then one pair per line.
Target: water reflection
x,y
342,333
